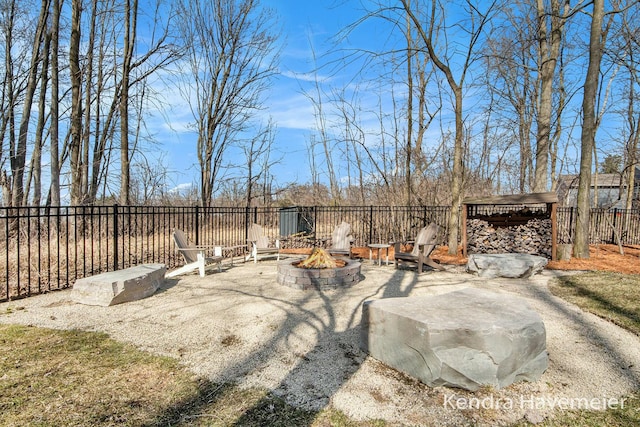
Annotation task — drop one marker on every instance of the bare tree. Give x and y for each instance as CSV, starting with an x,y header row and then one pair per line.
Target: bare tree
x,y
131,23
149,179
35,170
232,54
550,32
54,189
19,153
581,242
511,58
316,97
257,156
76,104
444,63
627,53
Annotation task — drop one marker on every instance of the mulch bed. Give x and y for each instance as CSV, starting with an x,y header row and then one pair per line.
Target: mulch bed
x,y
603,257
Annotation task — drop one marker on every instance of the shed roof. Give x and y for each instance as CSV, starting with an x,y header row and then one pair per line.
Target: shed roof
x,y
604,180
514,199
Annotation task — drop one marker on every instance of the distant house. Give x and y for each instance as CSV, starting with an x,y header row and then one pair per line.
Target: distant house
x,y
611,192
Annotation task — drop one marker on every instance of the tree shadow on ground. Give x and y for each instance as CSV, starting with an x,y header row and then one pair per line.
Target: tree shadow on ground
x,y
309,385
613,352
603,302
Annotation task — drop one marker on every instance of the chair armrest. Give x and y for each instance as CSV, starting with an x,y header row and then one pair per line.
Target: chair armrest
x,y
217,249
203,247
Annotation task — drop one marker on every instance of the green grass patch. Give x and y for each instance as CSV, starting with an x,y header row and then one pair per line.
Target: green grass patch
x,y
612,296
54,378
616,298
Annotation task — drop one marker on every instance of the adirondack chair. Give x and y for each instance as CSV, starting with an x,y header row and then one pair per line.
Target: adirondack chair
x,y
259,244
341,240
194,256
424,244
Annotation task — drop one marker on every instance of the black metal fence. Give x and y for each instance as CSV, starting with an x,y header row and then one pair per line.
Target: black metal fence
x,y
48,248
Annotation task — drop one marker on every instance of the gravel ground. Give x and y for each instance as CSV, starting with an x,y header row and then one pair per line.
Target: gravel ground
x,y
240,325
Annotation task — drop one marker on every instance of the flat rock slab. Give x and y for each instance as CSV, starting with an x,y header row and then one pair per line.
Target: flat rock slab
x,y
505,265
116,287
465,339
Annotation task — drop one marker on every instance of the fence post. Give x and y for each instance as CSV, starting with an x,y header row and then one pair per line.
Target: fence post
x,y
115,237
571,229
370,224
615,224
197,225
246,222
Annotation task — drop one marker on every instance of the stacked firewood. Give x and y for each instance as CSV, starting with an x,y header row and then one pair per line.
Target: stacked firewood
x,y
533,237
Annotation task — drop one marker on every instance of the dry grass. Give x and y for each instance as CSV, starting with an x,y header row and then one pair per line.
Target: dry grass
x,y
58,378
79,378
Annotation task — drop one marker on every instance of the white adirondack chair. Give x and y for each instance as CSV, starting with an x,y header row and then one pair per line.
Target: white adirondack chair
x,y
259,245
195,256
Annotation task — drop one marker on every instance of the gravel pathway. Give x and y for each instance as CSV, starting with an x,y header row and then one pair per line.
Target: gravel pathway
x,y
240,325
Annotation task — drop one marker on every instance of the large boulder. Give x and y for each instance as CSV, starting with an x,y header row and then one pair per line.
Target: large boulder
x,y
505,265
115,287
466,339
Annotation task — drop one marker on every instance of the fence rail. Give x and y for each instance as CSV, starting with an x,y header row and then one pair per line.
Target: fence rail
x,y
49,248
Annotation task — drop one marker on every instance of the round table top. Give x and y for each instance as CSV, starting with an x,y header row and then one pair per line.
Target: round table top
x,y
379,245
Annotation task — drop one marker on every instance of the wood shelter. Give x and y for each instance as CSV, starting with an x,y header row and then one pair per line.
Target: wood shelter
x,y
549,199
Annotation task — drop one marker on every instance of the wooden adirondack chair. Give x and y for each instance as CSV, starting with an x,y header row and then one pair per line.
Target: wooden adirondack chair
x,y
341,240
424,244
259,244
194,256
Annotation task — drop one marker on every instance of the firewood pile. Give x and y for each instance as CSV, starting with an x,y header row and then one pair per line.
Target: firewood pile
x,y
532,237
320,258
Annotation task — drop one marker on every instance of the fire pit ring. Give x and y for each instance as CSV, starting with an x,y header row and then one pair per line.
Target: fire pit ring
x,y
318,278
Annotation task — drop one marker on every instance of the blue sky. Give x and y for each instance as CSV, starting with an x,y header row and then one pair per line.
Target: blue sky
x,y
304,23
310,26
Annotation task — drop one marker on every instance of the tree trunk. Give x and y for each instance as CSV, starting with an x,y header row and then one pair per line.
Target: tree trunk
x,y
409,106
76,105
549,45
457,176
19,156
131,19
36,157
54,189
581,243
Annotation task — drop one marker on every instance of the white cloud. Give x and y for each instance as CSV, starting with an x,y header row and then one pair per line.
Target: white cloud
x,y
181,187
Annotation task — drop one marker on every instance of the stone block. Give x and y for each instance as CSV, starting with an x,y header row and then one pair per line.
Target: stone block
x,y
115,287
505,265
465,339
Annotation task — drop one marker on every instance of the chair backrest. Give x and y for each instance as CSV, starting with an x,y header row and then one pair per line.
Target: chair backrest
x,y
340,239
255,234
427,236
183,243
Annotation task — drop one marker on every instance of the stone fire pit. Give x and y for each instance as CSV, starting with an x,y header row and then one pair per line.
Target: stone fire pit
x,y
345,274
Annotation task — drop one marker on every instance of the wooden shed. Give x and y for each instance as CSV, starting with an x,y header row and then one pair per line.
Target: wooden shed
x,y
510,211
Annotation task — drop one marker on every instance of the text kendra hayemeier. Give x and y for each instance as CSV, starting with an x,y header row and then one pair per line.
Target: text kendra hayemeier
x,y
531,402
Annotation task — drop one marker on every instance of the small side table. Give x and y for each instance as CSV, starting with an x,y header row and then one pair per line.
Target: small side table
x,y
229,251
378,246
